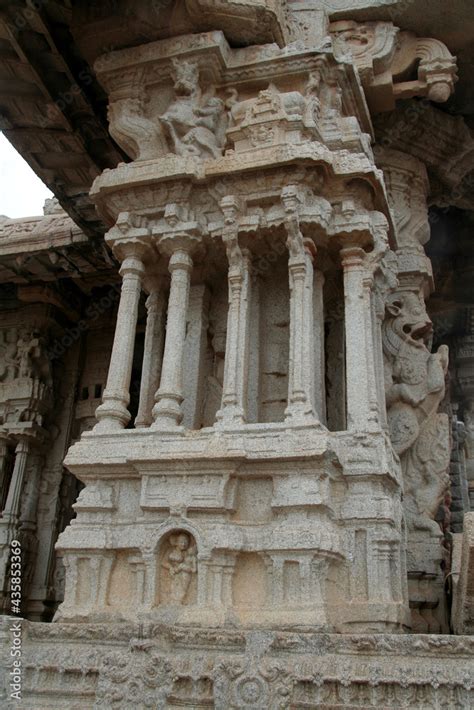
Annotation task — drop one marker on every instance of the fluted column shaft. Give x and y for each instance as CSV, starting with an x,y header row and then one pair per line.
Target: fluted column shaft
x,y
113,413
357,385
167,410
152,355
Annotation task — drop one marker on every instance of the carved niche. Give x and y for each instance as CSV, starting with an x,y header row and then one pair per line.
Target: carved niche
x,y
177,569
415,387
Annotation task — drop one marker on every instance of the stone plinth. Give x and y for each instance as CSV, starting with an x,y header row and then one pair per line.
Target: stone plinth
x,y
161,666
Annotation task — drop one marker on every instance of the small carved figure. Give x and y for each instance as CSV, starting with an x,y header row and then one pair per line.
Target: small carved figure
x,y
181,563
312,91
27,349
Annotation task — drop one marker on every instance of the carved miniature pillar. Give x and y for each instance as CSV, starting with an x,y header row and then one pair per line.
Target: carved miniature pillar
x,y
357,385
382,557
113,413
138,571
234,391
152,354
167,410
277,587
301,361
149,588
11,511
71,568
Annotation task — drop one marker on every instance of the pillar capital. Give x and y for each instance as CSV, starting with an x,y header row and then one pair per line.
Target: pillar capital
x,y
132,264
23,444
352,256
129,237
180,241
231,207
180,259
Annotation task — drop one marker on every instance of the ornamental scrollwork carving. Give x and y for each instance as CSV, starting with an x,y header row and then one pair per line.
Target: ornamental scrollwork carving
x,y
134,678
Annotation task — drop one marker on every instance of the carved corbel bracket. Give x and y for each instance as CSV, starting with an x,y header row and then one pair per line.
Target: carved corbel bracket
x,y
385,56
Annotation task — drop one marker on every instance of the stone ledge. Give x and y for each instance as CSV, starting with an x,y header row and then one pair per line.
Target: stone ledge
x,y
104,665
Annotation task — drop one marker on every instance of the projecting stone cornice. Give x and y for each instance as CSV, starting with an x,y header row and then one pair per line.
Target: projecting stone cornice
x,y
48,247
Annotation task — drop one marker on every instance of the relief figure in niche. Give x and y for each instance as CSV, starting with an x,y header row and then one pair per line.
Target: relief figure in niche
x,y
179,568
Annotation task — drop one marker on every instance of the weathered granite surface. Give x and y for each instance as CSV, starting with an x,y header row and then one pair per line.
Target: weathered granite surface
x,y
264,512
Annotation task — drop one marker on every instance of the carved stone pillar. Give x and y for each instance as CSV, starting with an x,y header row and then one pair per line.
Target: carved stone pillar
x,y
319,387
11,511
3,467
9,522
152,354
301,361
195,351
355,305
234,391
167,410
113,413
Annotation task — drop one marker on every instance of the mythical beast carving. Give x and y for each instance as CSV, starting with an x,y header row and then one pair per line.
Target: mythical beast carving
x,y
415,386
194,124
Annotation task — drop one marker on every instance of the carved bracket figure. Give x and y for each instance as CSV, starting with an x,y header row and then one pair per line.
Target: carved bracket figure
x,y
385,56
415,387
194,123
